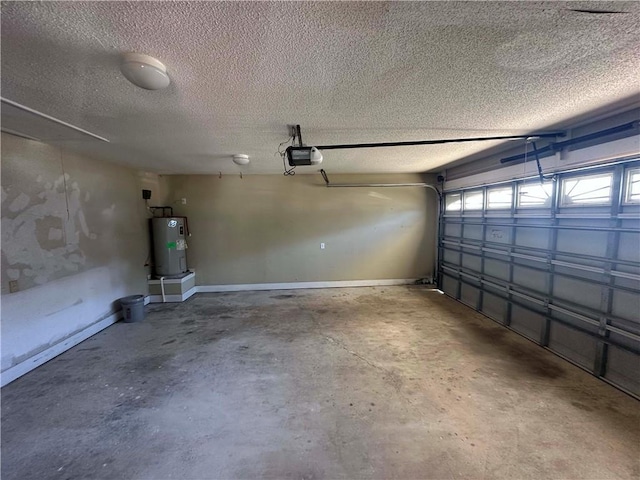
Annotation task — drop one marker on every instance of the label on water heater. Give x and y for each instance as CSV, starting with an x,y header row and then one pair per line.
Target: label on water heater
x,y
181,245
172,223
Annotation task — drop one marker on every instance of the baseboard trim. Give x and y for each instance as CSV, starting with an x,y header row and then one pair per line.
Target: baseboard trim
x,y
12,373
173,298
302,285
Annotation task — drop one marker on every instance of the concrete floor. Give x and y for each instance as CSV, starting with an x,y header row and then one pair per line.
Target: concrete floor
x,y
393,382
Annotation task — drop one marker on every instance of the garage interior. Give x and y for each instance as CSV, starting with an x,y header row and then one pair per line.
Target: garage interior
x,y
453,292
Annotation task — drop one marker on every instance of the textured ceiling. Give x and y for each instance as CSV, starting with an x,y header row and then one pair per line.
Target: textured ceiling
x,y
347,72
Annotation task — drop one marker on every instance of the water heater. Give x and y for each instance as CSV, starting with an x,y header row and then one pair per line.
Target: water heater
x,y
169,236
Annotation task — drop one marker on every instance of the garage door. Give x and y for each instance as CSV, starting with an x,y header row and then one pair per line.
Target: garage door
x,y
557,261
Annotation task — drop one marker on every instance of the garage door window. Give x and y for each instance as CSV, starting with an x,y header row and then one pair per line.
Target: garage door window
x,y
501,197
632,186
535,194
453,202
473,200
587,190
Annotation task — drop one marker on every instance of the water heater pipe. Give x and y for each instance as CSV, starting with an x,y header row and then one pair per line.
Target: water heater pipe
x,y
162,289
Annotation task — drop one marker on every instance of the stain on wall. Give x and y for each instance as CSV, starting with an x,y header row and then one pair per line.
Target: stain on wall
x,y
75,236
41,235
74,241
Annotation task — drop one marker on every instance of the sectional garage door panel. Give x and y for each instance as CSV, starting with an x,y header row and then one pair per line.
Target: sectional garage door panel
x,y
623,369
529,278
558,262
453,230
531,237
578,346
473,231
469,295
496,268
497,233
628,247
626,305
581,293
471,261
449,286
526,322
493,306
573,241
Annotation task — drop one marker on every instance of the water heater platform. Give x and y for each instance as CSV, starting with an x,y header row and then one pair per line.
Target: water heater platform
x,y
175,289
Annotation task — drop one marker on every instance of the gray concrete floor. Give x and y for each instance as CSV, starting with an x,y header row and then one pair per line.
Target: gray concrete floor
x,y
393,382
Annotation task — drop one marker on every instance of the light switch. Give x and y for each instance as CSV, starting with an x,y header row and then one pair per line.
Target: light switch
x,y
322,246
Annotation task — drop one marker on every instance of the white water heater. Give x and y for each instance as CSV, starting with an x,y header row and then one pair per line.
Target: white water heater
x,y
169,235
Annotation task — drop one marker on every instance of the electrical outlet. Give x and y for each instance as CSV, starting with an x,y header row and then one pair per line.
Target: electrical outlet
x,y
322,246
183,200
13,286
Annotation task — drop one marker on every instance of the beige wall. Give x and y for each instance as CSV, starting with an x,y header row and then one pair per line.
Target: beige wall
x,y
268,228
75,238
72,254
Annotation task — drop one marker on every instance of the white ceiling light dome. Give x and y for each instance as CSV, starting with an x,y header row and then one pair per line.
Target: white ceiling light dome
x,y
144,71
241,159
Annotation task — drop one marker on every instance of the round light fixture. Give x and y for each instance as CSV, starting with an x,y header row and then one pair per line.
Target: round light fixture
x,y
240,159
144,71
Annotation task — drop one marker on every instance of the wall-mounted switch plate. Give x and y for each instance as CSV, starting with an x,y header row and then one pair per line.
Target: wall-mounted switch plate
x,y
183,201
322,246
13,286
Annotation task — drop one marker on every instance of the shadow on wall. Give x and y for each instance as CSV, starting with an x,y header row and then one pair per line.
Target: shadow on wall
x,y
268,228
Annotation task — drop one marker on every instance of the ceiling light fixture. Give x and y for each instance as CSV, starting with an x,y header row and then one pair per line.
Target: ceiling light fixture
x,y
144,71
240,159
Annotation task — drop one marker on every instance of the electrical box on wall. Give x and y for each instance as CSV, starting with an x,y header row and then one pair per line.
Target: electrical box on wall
x,y
146,194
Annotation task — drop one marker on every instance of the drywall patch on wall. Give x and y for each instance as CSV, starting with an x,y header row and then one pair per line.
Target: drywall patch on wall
x,y
73,240
41,234
20,202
